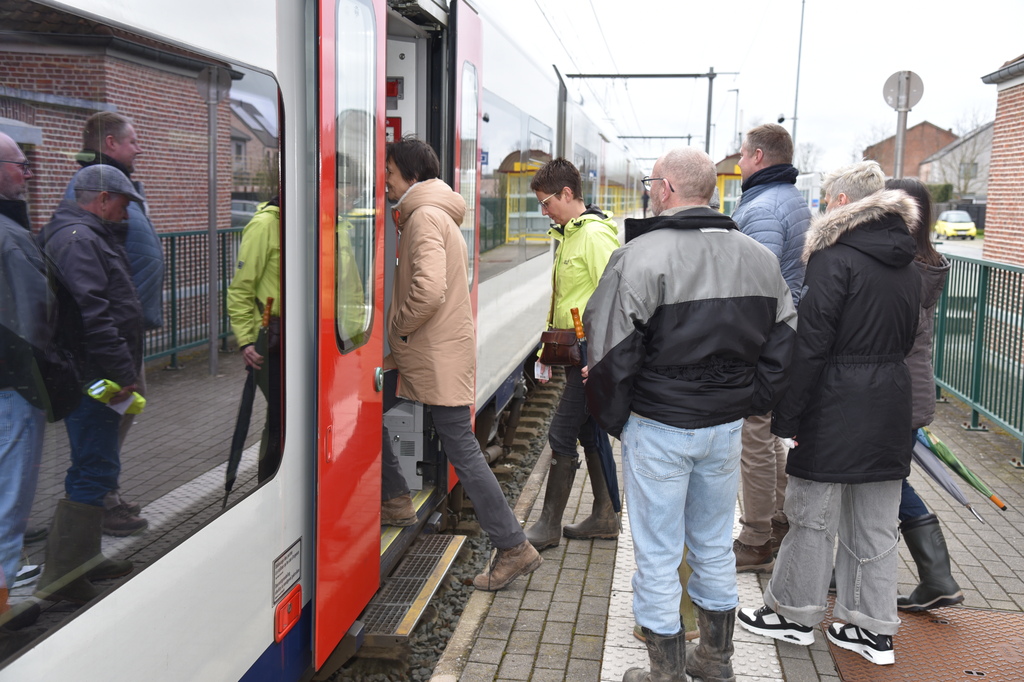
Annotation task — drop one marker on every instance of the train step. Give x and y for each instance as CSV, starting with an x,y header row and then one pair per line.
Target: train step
x,y
391,616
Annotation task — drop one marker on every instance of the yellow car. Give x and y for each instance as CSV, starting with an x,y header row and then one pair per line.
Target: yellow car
x,y
956,224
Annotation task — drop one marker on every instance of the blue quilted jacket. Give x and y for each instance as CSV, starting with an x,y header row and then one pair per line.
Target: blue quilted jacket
x,y
776,215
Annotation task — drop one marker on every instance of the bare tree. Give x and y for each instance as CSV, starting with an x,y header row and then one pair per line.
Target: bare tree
x,y
878,132
807,157
965,163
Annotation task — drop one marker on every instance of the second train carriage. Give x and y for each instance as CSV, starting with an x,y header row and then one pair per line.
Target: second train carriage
x,y
234,101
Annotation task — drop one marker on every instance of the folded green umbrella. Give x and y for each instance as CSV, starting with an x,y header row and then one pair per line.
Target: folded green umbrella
x,y
946,455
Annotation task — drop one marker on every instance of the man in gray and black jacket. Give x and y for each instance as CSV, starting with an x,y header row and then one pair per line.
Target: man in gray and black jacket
x,y
691,330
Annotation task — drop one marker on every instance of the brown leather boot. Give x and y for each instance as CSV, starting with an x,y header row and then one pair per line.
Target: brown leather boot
x,y
547,531
603,522
753,559
507,565
398,511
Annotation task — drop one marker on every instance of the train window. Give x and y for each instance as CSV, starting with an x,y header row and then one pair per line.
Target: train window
x,y
197,138
356,237
468,156
514,146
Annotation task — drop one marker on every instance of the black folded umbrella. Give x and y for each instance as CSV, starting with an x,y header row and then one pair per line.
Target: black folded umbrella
x,y
245,407
604,449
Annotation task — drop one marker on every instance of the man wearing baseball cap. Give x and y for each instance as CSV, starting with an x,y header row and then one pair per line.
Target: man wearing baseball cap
x,y
85,240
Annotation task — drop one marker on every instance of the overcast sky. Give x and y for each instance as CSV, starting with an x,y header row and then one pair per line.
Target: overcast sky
x,y
849,50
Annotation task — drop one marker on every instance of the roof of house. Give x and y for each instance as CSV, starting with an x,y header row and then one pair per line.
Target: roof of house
x,y
1008,71
952,146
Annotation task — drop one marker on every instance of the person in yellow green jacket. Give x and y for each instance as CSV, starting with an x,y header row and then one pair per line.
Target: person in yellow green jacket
x,y
258,278
586,239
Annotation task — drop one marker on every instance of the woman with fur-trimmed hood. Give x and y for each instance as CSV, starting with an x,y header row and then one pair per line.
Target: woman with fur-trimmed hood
x,y
850,384
849,410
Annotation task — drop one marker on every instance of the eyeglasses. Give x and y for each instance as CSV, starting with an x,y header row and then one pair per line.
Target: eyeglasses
x,y
648,180
544,202
26,167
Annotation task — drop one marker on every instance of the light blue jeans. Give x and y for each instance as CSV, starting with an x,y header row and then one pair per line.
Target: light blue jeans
x,y
21,448
681,489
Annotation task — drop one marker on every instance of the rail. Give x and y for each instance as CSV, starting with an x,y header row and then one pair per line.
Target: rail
x,y
979,341
185,292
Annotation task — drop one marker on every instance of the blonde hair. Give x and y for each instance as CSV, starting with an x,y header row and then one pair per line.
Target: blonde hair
x,y
856,181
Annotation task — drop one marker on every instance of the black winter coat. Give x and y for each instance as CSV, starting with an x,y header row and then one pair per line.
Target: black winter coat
x,y
92,265
849,404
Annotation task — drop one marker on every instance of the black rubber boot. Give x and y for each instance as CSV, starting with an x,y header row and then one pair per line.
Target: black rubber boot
x,y
547,531
924,538
711,659
603,522
72,551
668,659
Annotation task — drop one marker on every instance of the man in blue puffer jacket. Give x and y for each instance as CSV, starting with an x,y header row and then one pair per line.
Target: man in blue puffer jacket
x,y
773,212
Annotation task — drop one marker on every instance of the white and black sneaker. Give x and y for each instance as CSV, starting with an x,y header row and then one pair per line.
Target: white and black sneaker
x,y
764,621
875,648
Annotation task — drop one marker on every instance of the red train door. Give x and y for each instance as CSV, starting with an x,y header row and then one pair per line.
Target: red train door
x,y
350,292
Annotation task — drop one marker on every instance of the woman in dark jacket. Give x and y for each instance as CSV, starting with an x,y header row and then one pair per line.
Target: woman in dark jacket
x,y
849,409
920,528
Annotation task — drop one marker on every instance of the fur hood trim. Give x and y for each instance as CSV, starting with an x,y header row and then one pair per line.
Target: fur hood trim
x,y
827,228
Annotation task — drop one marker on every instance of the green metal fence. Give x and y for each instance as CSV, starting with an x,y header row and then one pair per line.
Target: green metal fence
x,y
186,289
979,341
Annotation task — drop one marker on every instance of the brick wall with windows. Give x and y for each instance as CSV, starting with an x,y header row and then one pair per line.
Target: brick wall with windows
x,y
922,140
58,92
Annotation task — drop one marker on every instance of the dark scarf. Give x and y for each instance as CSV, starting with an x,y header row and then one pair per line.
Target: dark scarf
x,y
16,210
780,172
87,157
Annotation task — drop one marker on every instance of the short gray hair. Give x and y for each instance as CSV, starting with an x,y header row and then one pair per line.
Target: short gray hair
x,y
856,181
692,173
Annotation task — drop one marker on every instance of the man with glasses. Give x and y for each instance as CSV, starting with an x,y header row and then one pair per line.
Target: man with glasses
x,y
23,302
27,393
773,212
690,330
586,238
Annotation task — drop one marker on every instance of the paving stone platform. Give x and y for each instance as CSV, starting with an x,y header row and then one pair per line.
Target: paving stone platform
x,y
572,619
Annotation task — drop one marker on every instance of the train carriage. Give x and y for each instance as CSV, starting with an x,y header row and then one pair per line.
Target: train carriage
x,y
235,102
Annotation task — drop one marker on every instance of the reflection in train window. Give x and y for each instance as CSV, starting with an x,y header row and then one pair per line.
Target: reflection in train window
x,y
512,228
468,157
77,94
356,66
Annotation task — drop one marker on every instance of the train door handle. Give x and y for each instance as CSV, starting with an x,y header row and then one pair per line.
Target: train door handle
x,y
378,379
329,445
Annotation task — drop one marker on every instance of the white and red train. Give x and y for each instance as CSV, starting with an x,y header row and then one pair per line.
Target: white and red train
x,y
304,95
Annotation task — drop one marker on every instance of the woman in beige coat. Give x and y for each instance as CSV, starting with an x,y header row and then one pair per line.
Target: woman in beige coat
x,y
431,332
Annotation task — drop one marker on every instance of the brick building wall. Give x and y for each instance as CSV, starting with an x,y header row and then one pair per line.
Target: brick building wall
x,y
922,141
170,121
1004,222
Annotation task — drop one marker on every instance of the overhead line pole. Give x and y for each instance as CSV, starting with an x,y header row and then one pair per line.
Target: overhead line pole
x,y
710,75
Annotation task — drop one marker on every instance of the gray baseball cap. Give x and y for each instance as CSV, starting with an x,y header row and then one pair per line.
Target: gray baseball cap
x,y
104,178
